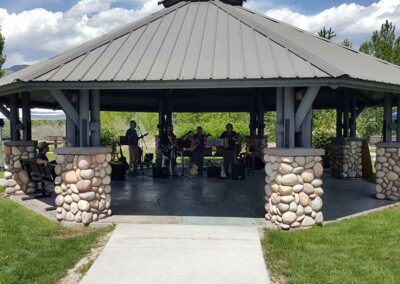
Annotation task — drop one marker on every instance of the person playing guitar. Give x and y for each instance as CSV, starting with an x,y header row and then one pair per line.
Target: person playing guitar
x,y
133,138
230,146
198,147
168,149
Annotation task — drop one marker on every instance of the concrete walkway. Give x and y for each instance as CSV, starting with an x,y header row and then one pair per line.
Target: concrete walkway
x,y
170,253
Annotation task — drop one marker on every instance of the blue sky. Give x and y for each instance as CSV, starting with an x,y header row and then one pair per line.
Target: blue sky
x,y
305,6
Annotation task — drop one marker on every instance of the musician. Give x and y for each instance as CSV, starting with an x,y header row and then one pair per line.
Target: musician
x,y
199,148
133,138
230,149
168,148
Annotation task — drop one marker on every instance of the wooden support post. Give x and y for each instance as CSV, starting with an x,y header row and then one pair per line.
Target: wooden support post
x,y
161,117
95,118
346,110
306,131
261,112
289,117
306,105
70,131
5,111
26,116
398,119
387,118
353,120
169,118
84,118
14,117
66,105
339,122
279,128
253,116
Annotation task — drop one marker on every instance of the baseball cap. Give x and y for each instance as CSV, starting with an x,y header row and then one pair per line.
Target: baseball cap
x,y
43,145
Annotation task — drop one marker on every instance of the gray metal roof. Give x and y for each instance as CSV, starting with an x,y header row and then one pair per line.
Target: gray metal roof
x,y
208,40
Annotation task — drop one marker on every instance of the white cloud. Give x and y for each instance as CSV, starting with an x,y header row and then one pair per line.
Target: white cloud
x,y
37,34
352,21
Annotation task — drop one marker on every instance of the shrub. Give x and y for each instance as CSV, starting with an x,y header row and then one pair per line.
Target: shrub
x,y
322,140
109,138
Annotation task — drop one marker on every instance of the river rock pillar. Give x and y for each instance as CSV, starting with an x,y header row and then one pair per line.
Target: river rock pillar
x,y
17,180
257,144
388,170
83,184
293,187
346,157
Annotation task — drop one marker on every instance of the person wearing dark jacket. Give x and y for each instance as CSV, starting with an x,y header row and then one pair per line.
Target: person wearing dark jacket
x,y
168,149
230,146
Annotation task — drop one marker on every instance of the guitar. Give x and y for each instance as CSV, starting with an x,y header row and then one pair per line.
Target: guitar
x,y
133,141
122,158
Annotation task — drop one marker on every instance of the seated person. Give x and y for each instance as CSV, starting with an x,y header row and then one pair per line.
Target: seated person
x,y
41,158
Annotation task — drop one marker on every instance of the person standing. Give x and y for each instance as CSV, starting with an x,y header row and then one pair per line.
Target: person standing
x,y
168,148
199,148
133,139
230,146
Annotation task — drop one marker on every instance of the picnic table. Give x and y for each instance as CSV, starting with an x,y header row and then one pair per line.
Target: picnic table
x,y
55,140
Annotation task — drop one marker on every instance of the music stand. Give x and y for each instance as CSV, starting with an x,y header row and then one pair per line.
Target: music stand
x,y
142,155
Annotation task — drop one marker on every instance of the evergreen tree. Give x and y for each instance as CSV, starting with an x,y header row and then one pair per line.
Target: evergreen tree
x,y
2,57
347,43
384,44
328,34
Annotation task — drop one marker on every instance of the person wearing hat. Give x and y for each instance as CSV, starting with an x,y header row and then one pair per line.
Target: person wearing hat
x,y
41,157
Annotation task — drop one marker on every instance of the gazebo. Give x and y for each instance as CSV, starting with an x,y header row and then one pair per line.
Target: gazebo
x,y
204,56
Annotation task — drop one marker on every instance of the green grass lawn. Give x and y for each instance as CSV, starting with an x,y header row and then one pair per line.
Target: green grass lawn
x,y
36,250
361,250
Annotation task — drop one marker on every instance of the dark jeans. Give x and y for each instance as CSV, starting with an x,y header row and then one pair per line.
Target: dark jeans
x,y
198,159
229,158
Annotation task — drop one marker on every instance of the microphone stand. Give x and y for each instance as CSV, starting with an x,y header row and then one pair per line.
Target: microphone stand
x,y
141,158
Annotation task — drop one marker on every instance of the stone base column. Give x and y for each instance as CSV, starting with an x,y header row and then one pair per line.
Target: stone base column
x,y
83,184
17,180
258,144
388,170
346,157
294,187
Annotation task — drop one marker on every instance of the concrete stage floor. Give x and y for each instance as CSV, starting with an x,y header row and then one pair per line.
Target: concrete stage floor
x,y
213,201
238,199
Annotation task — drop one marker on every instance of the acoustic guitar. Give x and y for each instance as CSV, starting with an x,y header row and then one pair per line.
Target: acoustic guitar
x,y
122,158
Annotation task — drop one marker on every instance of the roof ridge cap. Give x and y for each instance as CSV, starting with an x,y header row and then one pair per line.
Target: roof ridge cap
x,y
317,61
75,52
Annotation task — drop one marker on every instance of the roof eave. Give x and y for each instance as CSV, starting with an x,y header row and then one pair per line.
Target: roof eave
x,y
17,87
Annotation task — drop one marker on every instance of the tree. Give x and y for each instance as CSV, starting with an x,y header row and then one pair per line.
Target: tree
x,y
347,43
2,57
328,34
384,44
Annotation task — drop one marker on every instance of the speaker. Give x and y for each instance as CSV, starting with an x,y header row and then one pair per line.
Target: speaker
x,y
214,172
238,171
117,171
159,172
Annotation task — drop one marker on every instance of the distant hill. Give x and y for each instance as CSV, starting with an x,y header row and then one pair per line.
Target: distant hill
x,y
14,69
